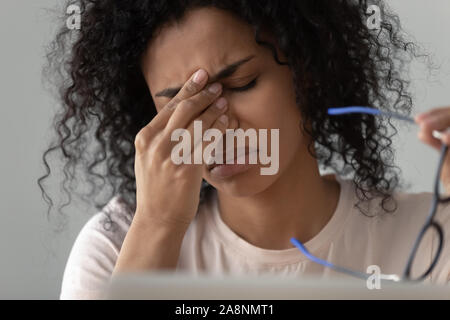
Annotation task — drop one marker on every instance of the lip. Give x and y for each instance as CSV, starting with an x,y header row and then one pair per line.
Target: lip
x,y
237,151
226,171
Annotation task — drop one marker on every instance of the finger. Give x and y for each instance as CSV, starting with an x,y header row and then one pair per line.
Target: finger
x,y
207,119
232,124
221,124
432,125
433,129
427,137
191,108
432,112
195,83
211,114
443,136
438,118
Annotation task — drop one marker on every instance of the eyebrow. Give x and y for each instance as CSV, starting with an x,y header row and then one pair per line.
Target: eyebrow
x,y
224,73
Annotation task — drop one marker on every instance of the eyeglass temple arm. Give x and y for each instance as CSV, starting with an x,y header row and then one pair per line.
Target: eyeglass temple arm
x,y
359,109
368,110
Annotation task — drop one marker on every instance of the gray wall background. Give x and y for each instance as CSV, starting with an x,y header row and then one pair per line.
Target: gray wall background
x,y
32,258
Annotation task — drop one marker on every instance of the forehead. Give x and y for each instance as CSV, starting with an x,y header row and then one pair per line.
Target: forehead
x,y
208,38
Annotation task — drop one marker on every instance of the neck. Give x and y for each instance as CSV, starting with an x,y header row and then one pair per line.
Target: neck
x,y
299,204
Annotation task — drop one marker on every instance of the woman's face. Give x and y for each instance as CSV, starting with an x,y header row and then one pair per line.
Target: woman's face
x,y
211,39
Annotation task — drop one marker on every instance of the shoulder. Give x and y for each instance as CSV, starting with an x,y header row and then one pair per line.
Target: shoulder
x,y
109,225
394,220
405,224
399,207
415,207
95,251
418,207
401,215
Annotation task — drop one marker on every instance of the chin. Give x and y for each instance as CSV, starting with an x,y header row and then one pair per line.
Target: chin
x,y
243,184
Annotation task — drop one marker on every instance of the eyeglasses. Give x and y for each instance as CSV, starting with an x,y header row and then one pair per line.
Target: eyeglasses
x,y
430,223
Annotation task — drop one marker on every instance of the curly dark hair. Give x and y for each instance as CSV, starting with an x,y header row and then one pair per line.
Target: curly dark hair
x,y
335,60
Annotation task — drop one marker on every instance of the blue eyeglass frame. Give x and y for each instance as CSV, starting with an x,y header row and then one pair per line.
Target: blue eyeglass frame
x,y
429,223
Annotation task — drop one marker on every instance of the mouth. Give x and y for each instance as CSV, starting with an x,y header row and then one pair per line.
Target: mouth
x,y
238,152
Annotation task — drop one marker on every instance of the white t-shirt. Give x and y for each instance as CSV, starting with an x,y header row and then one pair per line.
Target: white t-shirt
x,y
349,239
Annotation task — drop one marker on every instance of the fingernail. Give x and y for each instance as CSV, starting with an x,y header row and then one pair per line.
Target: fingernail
x,y
221,103
224,119
199,76
437,134
215,87
421,116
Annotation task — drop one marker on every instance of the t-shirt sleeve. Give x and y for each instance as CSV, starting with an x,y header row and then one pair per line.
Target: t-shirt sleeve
x,y
93,257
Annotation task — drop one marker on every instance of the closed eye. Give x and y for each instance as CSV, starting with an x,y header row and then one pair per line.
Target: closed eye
x,y
248,86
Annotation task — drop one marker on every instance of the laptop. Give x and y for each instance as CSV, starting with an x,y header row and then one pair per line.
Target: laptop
x,y
179,286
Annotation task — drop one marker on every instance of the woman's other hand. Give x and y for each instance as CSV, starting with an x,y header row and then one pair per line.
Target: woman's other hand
x,y
437,119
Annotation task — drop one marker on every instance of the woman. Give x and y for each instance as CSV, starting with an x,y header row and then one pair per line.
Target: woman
x,y
140,70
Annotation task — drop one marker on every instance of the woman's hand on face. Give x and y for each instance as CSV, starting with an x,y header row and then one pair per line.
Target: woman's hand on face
x,y
167,193
436,119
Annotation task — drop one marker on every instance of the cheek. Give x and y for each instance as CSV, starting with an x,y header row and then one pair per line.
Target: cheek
x,y
270,105
282,108
270,109
280,111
